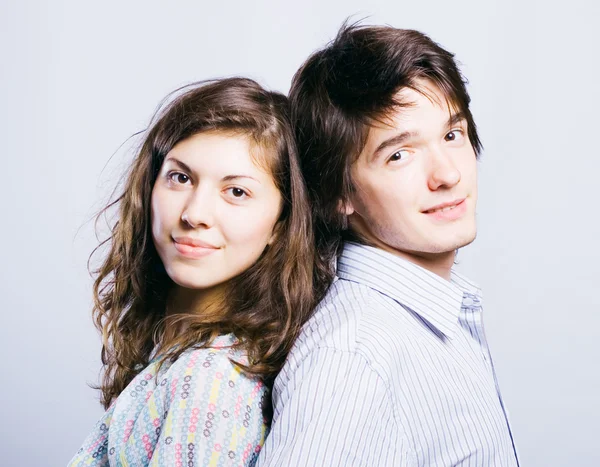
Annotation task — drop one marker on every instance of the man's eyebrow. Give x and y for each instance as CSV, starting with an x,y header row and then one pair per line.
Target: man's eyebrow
x,y
395,140
455,118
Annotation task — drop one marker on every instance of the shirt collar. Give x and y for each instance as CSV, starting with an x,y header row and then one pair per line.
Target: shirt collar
x,y
433,298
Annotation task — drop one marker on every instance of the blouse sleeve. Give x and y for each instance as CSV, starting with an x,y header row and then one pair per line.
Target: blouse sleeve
x,y
93,452
203,412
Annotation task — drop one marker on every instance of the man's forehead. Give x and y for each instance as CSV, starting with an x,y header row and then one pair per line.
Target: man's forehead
x,y
402,117
407,120
422,92
422,88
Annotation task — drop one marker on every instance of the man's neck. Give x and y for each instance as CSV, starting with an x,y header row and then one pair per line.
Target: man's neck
x,y
437,263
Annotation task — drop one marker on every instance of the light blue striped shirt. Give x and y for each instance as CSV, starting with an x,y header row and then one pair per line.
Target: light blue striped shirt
x,y
393,369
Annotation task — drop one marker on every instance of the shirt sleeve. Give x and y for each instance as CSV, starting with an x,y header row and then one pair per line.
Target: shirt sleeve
x,y
204,412
333,410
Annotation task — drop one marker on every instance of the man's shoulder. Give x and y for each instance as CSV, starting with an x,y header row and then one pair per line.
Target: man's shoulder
x,y
350,326
340,319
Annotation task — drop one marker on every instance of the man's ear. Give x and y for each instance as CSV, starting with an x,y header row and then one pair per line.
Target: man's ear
x,y
345,207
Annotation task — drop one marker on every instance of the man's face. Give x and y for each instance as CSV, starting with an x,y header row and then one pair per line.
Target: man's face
x,y
415,182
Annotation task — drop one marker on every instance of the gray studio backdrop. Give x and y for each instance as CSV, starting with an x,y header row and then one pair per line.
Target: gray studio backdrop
x,y
77,78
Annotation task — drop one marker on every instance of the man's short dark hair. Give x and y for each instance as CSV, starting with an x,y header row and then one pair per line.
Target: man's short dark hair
x,y
338,94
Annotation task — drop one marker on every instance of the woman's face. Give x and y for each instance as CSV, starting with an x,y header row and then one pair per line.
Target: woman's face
x,y
213,210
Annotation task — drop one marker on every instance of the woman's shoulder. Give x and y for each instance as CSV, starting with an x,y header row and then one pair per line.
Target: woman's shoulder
x,y
210,404
200,405
212,368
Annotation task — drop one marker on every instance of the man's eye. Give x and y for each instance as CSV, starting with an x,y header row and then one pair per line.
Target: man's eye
x,y
398,156
454,135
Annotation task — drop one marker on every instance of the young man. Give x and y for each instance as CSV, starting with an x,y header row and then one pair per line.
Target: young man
x,y
393,369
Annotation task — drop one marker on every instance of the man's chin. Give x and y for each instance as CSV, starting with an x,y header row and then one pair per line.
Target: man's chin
x,y
444,246
463,242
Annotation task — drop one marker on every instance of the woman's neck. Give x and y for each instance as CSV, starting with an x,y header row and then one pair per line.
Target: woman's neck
x,y
186,301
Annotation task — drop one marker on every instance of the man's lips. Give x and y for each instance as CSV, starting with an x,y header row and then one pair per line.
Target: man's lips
x,y
444,206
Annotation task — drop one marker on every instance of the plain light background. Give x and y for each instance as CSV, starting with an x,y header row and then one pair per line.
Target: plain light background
x,y
78,78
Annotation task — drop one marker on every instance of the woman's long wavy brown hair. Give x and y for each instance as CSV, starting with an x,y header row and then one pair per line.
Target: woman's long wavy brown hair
x,y
266,305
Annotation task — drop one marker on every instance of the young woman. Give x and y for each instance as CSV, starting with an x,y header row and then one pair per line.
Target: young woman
x,y
208,279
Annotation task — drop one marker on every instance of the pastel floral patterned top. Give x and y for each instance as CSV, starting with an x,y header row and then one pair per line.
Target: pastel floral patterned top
x,y
198,411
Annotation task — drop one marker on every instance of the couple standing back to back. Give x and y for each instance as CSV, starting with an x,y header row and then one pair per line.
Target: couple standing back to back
x,y
391,368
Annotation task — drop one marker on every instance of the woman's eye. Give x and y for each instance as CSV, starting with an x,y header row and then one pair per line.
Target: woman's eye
x,y
454,135
179,178
398,156
237,192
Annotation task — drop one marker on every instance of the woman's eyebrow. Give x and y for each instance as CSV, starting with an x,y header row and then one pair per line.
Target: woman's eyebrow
x,y
181,165
228,178
188,169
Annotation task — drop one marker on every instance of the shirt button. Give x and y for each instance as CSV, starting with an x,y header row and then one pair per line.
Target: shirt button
x,y
468,301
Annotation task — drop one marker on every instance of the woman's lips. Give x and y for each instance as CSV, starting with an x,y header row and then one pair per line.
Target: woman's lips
x,y
197,250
